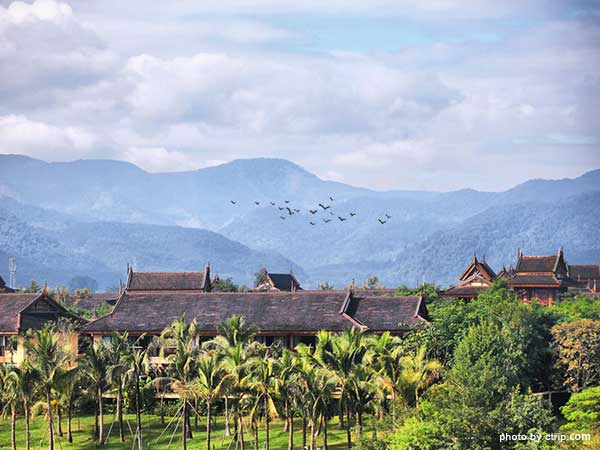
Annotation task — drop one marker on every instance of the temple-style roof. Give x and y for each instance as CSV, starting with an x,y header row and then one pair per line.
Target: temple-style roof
x,y
269,311
281,282
93,301
29,311
169,281
4,288
550,264
584,272
534,280
480,267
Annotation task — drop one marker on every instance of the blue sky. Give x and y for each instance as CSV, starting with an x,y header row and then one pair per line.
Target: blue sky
x,y
388,94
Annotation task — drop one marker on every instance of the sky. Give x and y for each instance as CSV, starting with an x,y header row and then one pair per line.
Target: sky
x,y
404,94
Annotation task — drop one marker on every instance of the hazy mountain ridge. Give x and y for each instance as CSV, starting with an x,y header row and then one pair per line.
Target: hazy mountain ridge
x,y
424,237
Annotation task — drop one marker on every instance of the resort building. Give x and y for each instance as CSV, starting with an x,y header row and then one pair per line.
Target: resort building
x,y
21,312
168,281
539,278
4,289
288,317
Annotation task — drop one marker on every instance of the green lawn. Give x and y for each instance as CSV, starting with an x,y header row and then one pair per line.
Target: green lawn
x,y
155,436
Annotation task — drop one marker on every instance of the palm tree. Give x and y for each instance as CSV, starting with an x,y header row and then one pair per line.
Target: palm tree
x,y
262,382
386,354
95,366
342,354
10,399
24,382
182,368
71,390
212,381
138,365
119,354
419,371
286,382
49,359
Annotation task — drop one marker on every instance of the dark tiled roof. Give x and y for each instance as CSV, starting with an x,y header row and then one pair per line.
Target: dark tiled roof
x,y
93,301
302,311
284,281
24,311
10,307
584,272
530,280
536,264
386,292
460,291
387,313
166,281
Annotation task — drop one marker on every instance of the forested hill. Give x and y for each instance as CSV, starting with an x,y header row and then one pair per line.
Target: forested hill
x,y
234,209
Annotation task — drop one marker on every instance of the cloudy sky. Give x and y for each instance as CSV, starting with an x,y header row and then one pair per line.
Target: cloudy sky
x,y
387,94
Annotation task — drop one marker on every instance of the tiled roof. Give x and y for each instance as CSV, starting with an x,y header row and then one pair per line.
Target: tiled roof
x,y
10,307
587,272
93,301
533,280
166,281
4,288
284,281
24,311
460,291
536,264
301,311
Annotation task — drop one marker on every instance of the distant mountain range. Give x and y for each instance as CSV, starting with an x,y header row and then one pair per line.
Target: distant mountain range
x,y
92,217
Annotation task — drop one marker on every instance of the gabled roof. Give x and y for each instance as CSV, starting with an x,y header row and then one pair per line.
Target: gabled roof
x,y
18,311
478,266
169,281
584,272
269,311
555,264
468,288
524,280
284,281
93,301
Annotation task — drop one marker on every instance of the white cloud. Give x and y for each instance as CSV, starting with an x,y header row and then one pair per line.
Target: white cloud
x,y
158,159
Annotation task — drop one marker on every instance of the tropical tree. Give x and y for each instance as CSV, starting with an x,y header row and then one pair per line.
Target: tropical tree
x,y
342,354
211,383
49,359
118,354
10,400
23,383
286,381
182,366
419,372
262,382
138,365
69,390
95,365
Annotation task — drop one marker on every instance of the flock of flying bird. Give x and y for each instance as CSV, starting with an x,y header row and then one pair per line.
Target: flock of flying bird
x,y
323,208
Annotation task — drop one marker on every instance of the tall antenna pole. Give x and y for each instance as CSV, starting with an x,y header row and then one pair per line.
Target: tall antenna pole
x,y
12,272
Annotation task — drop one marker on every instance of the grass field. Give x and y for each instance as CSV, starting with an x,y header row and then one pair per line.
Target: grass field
x,y
156,437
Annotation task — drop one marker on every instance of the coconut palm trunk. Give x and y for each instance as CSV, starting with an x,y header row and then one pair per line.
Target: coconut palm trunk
x,y
304,425
348,435
27,413
290,420
13,427
208,418
227,424
266,406
100,418
120,411
313,435
138,413
325,444
50,424
184,430
59,421
69,423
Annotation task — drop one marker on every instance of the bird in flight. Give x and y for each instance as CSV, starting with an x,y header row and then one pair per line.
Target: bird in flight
x,y
324,207
312,223
297,210
382,221
388,216
290,212
281,208
257,203
286,201
232,202
352,214
331,198
342,218
312,211
326,220
272,203
332,213
282,218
